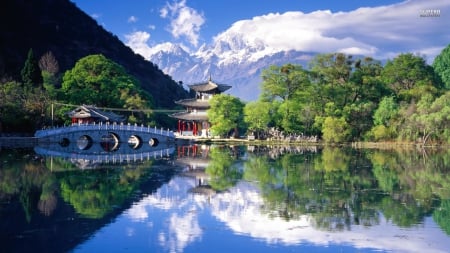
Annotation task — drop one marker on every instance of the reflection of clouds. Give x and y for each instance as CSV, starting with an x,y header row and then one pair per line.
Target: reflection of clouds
x,y
182,231
180,227
241,209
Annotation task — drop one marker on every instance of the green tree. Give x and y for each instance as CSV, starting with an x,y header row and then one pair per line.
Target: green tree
x,y
410,77
31,74
288,89
225,114
433,117
50,74
99,81
257,116
335,129
387,109
441,65
11,109
331,74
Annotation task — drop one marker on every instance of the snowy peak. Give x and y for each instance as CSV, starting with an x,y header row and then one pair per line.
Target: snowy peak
x,y
231,58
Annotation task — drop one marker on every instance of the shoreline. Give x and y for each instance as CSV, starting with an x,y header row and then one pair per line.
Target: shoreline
x,y
30,141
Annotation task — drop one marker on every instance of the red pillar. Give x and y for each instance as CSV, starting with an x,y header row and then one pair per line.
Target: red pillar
x,y
179,126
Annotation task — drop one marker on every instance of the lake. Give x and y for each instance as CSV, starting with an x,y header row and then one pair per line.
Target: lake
x,y
219,198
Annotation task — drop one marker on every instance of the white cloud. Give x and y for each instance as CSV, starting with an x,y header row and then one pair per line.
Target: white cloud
x,y
96,15
371,31
132,19
184,21
138,41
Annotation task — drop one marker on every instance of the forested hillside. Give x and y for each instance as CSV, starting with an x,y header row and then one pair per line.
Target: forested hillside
x,y
59,27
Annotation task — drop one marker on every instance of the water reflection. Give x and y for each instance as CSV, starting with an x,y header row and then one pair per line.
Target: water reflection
x,y
229,198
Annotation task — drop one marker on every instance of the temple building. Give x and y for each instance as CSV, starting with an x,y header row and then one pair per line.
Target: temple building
x,y
87,114
194,121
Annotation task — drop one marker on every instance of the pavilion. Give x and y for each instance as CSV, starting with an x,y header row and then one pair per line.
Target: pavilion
x,y
194,121
86,114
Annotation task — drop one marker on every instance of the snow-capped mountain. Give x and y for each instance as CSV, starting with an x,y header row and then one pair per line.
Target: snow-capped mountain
x,y
231,59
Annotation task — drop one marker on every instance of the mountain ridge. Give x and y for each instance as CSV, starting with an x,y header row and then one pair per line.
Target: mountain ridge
x,y
228,60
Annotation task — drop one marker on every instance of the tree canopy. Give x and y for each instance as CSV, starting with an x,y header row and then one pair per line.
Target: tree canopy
x,y
343,98
225,114
441,65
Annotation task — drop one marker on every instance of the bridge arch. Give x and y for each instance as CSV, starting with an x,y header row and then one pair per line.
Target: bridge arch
x,y
84,142
110,141
135,141
64,142
153,142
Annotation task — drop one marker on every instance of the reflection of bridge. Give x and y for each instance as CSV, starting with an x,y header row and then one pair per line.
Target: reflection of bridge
x,y
110,136
98,156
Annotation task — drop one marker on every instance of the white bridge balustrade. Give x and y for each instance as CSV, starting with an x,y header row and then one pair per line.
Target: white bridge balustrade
x,y
107,134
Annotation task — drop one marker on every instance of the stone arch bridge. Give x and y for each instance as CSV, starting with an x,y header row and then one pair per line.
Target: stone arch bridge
x,y
109,136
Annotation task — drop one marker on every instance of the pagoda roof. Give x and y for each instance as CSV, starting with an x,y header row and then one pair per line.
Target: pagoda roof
x,y
190,116
195,103
209,86
90,111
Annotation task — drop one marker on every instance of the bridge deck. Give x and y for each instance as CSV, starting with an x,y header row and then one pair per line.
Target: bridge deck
x,y
103,127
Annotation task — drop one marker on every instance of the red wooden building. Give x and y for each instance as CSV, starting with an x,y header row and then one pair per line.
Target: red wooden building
x,y
194,121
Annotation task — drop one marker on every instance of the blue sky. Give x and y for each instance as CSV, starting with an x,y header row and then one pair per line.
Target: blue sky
x,y
380,28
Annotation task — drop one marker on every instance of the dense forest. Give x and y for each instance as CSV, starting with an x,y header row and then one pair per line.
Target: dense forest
x,y
340,98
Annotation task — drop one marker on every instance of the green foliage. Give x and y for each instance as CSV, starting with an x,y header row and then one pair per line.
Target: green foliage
x,y
225,114
335,129
22,109
257,115
224,174
442,216
387,109
409,77
348,99
31,74
441,65
99,81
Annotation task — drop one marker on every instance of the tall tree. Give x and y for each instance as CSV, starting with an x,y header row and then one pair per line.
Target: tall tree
x,y
225,114
410,77
97,80
257,116
441,65
49,63
31,74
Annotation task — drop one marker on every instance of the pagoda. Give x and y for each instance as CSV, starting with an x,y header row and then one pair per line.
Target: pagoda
x,y
194,120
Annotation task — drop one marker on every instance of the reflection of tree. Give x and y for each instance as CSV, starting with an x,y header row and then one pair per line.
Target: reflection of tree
x,y
442,216
338,187
414,181
95,193
30,180
224,174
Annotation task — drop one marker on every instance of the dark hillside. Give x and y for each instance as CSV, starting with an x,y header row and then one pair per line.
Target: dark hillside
x,y
61,27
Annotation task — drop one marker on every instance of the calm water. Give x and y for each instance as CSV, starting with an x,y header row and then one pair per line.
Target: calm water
x,y
225,199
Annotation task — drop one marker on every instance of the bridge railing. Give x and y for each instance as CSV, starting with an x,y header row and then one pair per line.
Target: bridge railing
x,y
104,126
